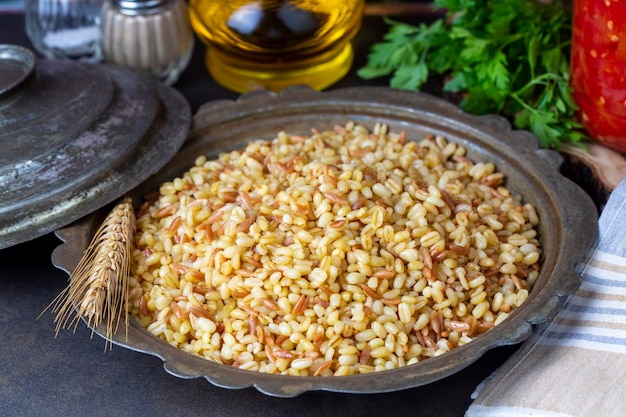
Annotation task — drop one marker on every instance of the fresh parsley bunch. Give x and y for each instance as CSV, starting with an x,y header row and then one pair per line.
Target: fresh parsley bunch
x,y
509,57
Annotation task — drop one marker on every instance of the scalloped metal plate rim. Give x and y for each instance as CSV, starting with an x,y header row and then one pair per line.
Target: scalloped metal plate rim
x,y
568,216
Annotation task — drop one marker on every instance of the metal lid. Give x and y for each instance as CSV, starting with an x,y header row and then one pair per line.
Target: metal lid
x,y
16,64
76,136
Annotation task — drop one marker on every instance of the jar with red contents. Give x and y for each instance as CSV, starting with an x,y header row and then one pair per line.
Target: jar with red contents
x,y
598,69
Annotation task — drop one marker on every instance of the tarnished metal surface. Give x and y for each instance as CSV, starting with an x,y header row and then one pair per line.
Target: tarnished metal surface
x,y
16,64
567,229
75,136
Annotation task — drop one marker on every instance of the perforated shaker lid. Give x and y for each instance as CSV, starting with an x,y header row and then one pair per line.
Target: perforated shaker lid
x,y
76,136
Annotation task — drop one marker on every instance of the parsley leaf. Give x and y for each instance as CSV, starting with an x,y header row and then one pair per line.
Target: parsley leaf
x,y
410,77
502,56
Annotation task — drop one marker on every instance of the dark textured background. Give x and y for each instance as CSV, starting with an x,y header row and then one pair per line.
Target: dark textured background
x,y
72,375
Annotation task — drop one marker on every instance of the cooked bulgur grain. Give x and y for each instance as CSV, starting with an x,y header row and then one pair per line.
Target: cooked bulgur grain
x,y
344,252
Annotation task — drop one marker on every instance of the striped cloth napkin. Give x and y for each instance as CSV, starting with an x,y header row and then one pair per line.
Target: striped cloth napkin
x,y
576,365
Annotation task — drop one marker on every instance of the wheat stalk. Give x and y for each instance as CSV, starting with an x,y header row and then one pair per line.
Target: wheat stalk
x,y
98,286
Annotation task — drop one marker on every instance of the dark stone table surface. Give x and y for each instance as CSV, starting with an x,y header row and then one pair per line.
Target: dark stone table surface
x,y
73,375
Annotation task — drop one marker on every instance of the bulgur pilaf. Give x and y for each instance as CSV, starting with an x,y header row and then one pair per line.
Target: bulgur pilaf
x,y
343,252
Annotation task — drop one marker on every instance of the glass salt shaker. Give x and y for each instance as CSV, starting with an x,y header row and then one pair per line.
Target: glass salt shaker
x,y
64,29
152,36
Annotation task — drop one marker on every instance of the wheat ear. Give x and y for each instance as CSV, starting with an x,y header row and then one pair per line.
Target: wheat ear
x,y
98,286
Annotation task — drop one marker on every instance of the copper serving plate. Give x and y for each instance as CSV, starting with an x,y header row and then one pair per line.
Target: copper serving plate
x,y
567,228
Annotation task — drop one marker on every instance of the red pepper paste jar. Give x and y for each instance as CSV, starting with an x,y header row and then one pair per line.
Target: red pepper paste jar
x,y
598,69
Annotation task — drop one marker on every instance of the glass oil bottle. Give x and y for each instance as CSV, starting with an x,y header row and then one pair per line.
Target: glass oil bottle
x,y
274,44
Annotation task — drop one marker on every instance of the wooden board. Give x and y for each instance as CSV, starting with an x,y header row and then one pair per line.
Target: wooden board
x,y
598,170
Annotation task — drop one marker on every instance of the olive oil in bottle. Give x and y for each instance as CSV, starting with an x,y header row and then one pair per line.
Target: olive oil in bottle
x,y
274,44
